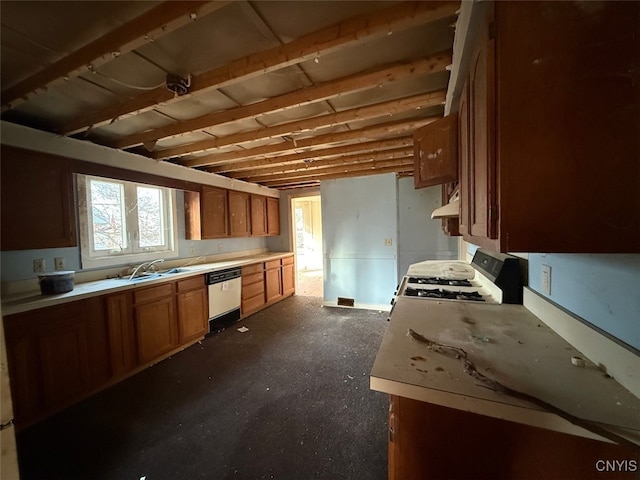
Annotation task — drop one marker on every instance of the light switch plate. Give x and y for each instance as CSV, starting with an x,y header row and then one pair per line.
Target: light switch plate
x,y
59,263
38,265
545,279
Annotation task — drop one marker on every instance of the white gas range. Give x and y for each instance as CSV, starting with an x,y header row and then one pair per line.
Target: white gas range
x,y
490,278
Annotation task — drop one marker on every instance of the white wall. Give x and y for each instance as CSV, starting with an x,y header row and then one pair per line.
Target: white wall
x,y
421,238
358,214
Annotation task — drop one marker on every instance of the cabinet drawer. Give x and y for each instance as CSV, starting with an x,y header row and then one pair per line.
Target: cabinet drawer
x,y
271,264
253,278
192,283
249,269
287,260
252,290
252,304
152,293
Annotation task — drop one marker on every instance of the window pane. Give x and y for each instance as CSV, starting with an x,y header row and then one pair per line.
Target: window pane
x,y
107,215
150,217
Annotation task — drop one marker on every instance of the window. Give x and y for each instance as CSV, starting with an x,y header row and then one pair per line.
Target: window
x,y
124,222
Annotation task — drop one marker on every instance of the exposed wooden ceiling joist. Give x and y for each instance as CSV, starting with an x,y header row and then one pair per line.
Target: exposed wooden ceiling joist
x,y
305,96
400,169
151,25
282,93
373,132
267,172
332,152
316,44
388,108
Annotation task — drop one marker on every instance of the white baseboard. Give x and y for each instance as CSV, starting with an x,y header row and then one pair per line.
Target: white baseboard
x,y
617,360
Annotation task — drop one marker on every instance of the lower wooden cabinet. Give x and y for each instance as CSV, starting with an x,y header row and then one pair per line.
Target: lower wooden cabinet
x,y
193,309
272,280
252,296
55,355
59,355
288,276
432,441
266,283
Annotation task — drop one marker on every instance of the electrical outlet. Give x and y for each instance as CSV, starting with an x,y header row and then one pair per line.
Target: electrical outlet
x,y
39,265
388,242
59,263
545,279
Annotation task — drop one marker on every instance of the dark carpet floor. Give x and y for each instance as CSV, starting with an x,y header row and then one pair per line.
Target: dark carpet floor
x,y
289,399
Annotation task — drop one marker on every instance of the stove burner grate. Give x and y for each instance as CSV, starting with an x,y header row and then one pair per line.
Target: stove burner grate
x,y
440,281
443,294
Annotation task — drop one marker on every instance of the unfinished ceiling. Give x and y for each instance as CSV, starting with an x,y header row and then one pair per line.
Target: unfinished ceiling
x,y
280,93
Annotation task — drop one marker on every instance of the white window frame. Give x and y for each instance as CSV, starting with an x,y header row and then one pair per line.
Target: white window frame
x,y
133,253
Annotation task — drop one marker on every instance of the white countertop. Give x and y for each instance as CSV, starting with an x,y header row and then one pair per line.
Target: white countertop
x,y
508,344
23,302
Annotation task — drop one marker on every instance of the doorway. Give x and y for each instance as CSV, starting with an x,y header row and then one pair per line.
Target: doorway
x,y
307,244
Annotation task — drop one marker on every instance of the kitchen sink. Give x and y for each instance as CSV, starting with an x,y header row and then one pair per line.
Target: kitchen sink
x,y
151,275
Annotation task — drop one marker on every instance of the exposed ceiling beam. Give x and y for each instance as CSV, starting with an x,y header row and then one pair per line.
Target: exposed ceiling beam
x,y
373,132
149,26
304,96
388,108
396,153
378,23
400,169
332,152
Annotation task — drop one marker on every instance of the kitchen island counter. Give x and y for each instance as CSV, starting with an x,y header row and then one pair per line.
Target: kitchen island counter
x,y
508,344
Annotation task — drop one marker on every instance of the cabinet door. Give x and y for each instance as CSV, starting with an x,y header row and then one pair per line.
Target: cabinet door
x,y
214,213
193,314
288,276
482,184
258,215
156,328
37,201
239,214
121,333
272,281
273,216
435,152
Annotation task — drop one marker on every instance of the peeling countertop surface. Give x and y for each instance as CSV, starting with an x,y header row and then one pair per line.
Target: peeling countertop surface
x,y
509,344
32,300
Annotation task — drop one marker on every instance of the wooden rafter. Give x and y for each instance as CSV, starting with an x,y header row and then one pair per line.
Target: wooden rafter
x,y
332,152
314,172
151,25
374,132
304,96
378,23
315,164
391,107
399,169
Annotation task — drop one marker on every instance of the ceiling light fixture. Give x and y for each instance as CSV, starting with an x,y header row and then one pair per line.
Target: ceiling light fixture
x,y
177,84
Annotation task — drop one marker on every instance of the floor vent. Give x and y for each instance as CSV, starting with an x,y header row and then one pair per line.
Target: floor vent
x,y
346,302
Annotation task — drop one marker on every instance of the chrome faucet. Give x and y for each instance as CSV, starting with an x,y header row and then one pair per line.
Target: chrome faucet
x,y
145,266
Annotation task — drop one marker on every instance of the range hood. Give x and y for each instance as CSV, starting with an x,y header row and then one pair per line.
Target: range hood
x,y
450,210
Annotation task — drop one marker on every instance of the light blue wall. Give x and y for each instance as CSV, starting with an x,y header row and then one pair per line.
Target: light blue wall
x,y
419,237
18,265
602,289
358,214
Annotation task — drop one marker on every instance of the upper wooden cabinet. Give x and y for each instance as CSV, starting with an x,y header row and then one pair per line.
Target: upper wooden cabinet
x,y
206,213
273,216
258,215
239,214
435,152
37,201
549,124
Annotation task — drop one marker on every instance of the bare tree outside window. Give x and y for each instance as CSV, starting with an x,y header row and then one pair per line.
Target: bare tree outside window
x,y
150,217
107,210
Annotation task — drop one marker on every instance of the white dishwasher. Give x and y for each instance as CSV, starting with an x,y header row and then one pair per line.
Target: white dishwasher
x,y
225,288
